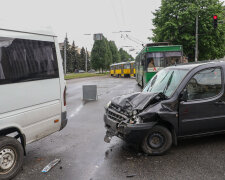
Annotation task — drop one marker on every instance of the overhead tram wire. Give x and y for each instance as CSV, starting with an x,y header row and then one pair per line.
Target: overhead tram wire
x,y
115,14
132,40
136,39
122,13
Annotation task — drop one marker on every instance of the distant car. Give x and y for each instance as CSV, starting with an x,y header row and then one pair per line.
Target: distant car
x,y
81,71
91,71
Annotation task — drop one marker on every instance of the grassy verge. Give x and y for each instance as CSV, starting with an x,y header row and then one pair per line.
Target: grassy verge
x,y
83,75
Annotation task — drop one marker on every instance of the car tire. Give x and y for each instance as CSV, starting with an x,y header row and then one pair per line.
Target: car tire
x,y
157,141
12,151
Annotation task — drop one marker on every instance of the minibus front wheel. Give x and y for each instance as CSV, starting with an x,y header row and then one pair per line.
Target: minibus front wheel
x,y
11,157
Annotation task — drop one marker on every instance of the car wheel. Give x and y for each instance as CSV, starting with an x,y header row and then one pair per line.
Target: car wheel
x,y
157,141
11,157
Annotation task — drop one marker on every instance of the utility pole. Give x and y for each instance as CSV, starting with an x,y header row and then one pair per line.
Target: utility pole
x,y
65,54
196,39
86,59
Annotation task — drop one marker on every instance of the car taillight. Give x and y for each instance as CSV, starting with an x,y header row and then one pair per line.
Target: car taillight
x,y
64,96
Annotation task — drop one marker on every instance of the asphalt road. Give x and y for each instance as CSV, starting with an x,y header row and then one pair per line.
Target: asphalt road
x,y
84,155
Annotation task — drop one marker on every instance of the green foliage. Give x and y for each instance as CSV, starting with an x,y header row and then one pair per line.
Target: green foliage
x,y
124,56
108,58
82,58
98,55
83,75
175,23
105,52
114,51
74,60
75,57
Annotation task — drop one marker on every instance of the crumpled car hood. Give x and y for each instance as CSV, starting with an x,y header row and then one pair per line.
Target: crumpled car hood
x,y
136,101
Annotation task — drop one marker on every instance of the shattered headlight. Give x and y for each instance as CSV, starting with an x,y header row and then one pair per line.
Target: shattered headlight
x,y
135,112
108,104
138,120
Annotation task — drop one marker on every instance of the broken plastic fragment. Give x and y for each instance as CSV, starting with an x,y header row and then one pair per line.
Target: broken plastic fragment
x,y
131,175
107,138
50,165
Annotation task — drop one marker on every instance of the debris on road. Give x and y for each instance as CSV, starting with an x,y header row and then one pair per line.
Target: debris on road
x,y
139,154
131,175
129,158
50,165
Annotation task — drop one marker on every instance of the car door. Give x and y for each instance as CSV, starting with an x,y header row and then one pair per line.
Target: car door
x,y
204,109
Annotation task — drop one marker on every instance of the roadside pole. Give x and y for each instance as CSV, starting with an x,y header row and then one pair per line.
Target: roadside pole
x,y
196,39
86,59
65,54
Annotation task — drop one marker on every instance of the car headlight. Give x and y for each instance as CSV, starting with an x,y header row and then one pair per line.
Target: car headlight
x,y
138,120
108,104
135,112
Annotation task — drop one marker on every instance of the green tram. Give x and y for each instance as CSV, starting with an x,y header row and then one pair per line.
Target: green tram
x,y
154,57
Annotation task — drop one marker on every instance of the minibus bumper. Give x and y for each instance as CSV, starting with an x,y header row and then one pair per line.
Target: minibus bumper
x,y
63,120
133,133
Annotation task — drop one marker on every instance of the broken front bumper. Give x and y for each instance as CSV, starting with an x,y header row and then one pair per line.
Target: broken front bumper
x,y
133,133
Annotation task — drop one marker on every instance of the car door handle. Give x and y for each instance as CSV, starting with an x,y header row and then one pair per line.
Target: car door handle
x,y
220,103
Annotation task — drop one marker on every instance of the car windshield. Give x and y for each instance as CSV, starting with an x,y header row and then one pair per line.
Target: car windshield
x,y
166,81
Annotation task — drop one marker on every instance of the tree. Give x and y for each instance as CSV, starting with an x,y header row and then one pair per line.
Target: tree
x,y
175,22
101,56
124,56
108,58
114,51
69,60
82,58
74,56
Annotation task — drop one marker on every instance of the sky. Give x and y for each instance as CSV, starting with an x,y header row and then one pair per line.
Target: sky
x,y
79,17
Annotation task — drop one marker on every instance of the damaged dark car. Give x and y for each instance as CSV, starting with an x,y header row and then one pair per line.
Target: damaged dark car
x,y
179,101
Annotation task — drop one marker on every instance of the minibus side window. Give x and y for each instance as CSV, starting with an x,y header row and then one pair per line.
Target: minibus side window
x,y
27,60
205,84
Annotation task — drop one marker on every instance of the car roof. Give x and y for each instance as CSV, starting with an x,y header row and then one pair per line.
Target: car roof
x,y
193,65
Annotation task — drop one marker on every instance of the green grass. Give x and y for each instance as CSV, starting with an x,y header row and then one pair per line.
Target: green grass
x,y
83,75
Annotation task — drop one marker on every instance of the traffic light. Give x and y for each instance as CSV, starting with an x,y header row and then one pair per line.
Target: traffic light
x,y
215,18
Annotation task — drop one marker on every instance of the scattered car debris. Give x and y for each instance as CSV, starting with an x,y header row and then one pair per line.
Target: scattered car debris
x,y
50,165
129,158
139,154
107,153
131,175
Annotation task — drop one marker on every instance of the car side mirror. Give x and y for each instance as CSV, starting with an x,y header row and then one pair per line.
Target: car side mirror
x,y
184,95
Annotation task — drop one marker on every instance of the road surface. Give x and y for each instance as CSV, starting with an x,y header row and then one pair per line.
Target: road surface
x,y
85,156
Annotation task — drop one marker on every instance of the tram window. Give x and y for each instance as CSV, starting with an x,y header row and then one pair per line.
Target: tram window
x,y
155,60
172,60
127,66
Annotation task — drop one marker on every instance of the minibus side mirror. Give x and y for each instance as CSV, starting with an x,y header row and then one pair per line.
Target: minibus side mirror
x,y
184,95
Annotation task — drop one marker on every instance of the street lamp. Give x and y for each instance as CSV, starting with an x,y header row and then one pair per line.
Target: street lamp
x,y
86,54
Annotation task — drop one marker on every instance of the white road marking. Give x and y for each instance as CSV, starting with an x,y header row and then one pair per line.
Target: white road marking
x,y
77,110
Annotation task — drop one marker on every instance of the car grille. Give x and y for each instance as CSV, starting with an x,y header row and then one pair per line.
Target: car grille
x,y
116,116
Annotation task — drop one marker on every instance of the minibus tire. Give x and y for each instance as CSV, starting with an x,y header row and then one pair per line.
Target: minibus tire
x,y
152,146
15,148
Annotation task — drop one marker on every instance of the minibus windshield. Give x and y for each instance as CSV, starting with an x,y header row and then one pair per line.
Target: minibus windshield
x,y
166,81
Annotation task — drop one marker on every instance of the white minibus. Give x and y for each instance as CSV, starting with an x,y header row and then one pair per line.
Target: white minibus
x,y
32,93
